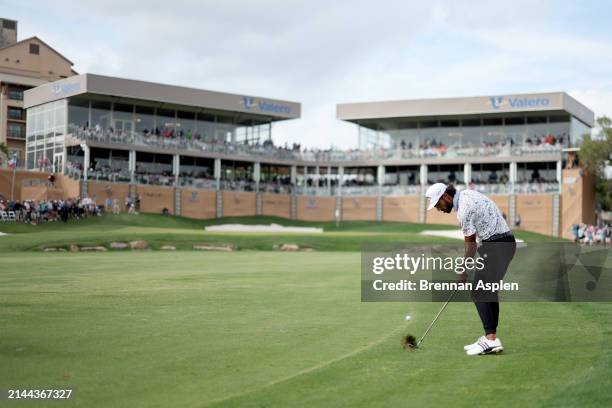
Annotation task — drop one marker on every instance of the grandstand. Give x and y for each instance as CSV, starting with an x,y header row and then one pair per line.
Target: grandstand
x,y
206,154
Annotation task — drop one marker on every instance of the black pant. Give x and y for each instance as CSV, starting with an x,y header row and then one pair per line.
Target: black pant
x,y
497,255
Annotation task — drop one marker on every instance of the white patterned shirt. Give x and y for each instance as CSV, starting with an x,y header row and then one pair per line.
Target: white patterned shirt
x,y
478,214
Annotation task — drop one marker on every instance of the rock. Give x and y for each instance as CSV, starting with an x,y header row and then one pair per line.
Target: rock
x,y
218,247
73,248
168,248
139,245
93,249
119,245
291,248
50,250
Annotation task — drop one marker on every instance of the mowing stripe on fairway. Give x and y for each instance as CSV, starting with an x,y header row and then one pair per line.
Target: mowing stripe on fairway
x,y
309,369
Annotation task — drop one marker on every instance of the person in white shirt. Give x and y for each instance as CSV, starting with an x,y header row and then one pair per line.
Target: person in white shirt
x,y
481,222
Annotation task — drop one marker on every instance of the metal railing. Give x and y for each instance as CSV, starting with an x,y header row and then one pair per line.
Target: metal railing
x,y
399,190
183,143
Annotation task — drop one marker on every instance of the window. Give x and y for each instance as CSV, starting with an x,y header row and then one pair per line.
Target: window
x,y
558,118
15,113
16,131
34,49
429,124
470,122
536,119
519,120
492,122
15,94
9,24
449,123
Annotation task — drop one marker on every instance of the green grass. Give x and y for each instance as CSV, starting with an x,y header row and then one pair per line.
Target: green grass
x,y
262,328
185,232
253,329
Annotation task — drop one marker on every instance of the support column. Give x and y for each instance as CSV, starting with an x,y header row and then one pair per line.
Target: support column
x,y
217,174
380,178
329,169
513,175
176,168
219,200
293,175
257,178
257,175
556,215
132,165
423,175
422,199
177,201
511,211
338,214
560,175
85,161
293,205
64,159
380,175
467,173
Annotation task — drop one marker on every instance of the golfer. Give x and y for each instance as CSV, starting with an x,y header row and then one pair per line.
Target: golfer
x,y
481,222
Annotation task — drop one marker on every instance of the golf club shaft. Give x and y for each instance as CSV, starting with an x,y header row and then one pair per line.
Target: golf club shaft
x,y
437,316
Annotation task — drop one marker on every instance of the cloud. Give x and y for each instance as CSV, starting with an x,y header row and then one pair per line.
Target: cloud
x,y
322,53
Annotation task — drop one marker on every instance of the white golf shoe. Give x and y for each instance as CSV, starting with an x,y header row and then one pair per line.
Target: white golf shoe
x,y
485,346
469,346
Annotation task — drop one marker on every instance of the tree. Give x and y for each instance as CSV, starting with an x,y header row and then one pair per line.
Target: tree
x,y
595,154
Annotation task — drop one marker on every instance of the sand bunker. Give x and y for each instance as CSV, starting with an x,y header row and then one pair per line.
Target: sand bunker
x,y
262,228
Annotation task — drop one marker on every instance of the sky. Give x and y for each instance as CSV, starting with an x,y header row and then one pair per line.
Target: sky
x,y
321,53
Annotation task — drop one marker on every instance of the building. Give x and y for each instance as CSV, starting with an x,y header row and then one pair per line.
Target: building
x,y
482,140
470,121
23,65
209,154
514,147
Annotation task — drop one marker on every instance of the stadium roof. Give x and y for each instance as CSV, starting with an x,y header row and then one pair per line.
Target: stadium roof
x,y
252,106
370,113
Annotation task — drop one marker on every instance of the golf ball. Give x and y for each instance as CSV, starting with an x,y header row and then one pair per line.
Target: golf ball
x,y
408,317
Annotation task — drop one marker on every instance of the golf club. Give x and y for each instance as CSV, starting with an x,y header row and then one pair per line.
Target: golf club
x,y
409,341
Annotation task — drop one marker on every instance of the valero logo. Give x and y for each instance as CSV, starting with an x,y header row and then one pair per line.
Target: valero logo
x,y
63,89
261,105
509,102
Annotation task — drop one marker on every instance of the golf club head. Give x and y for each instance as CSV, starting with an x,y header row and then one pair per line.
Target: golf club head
x,y
409,342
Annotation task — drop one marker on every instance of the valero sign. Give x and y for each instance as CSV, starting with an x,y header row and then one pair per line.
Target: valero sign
x,y
517,102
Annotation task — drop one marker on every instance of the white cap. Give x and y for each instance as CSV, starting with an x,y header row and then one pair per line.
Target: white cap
x,y
434,193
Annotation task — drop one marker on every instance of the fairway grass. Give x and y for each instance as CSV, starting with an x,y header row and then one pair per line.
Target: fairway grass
x,y
184,233
254,328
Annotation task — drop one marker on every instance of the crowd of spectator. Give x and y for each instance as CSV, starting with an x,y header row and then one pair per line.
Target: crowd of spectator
x,y
430,147
589,234
39,211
